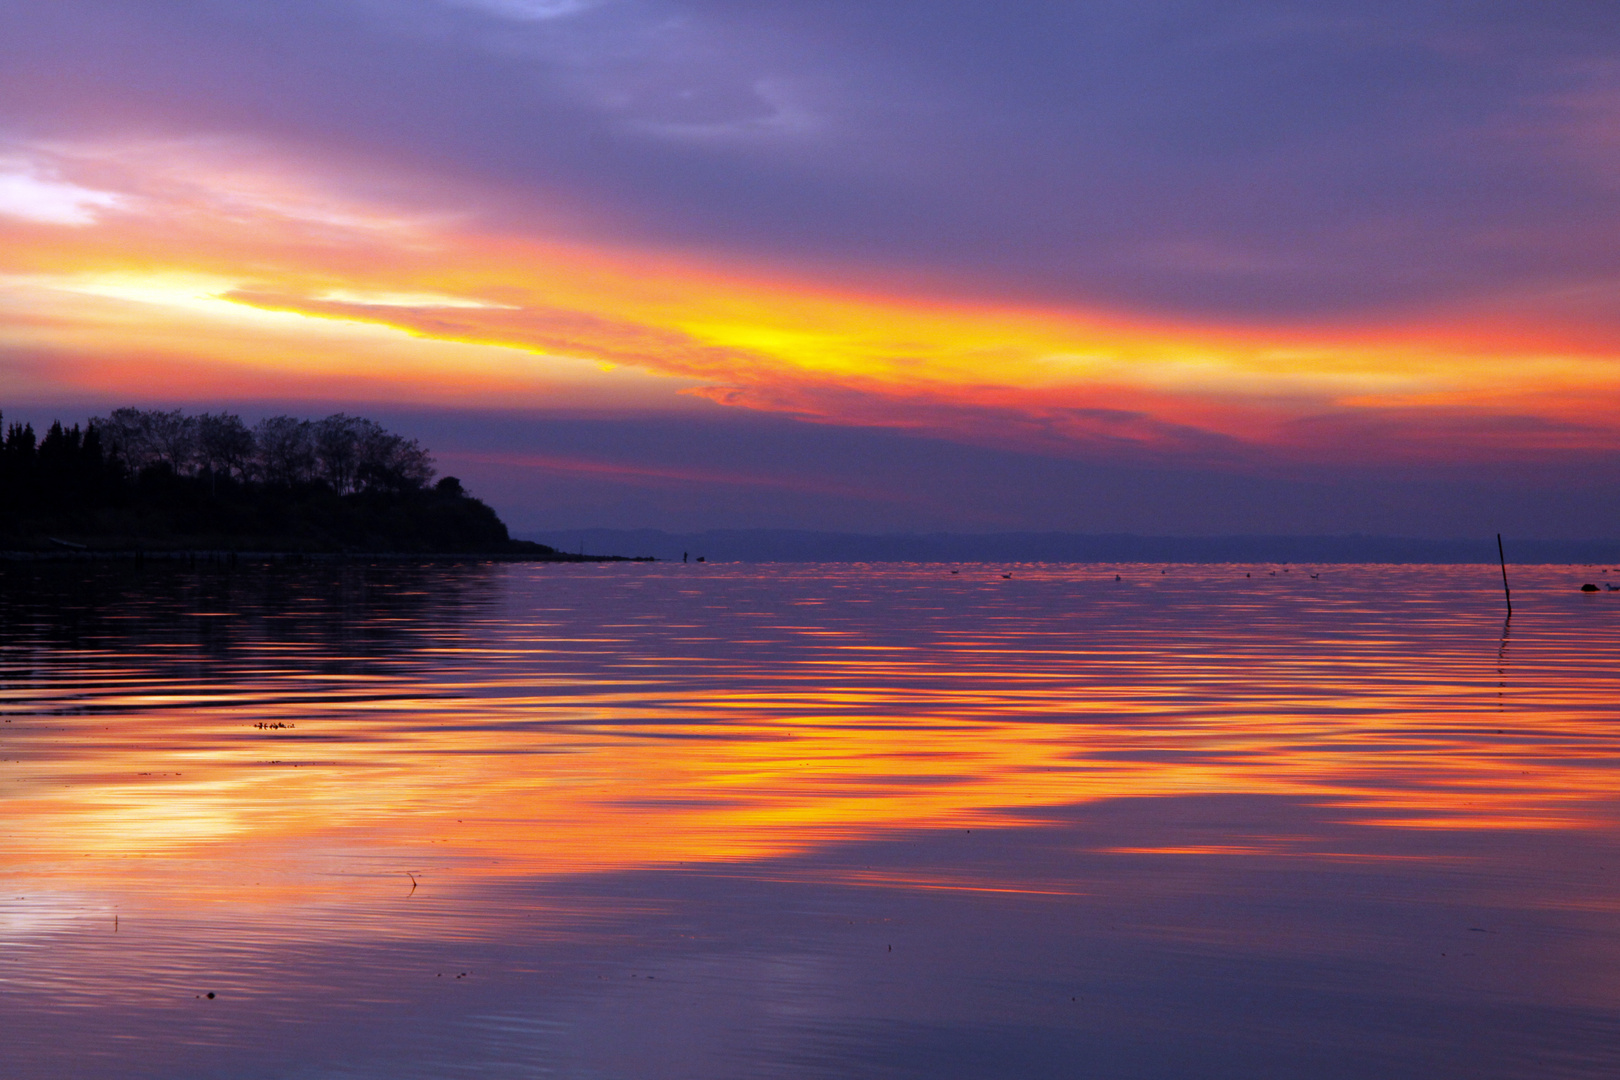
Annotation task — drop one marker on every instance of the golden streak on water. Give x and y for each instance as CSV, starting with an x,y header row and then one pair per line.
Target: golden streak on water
x,y
567,721
437,821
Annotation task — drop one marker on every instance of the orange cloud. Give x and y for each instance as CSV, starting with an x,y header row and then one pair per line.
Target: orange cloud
x,y
203,271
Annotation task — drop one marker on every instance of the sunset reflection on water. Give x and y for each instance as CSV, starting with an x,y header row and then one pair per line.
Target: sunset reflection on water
x,y
1174,797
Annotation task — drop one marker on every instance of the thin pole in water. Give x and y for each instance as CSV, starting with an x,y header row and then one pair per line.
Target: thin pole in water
x,y
1503,558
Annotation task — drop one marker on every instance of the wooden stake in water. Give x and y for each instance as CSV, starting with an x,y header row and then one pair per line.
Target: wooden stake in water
x,y
1503,558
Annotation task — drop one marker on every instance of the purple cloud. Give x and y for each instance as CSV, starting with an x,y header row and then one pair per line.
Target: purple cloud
x,y
1280,160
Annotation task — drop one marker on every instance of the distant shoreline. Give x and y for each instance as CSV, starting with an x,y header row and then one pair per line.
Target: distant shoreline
x,y
794,545
230,557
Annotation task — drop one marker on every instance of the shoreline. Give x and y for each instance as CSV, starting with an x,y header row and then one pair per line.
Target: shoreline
x,y
227,557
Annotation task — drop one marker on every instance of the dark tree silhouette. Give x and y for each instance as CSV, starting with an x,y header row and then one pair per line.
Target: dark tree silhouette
x,y
150,478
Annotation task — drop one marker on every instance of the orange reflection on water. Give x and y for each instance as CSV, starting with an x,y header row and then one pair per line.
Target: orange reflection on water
x,y
551,721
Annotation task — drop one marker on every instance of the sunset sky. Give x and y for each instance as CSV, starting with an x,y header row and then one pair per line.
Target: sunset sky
x,y
1173,267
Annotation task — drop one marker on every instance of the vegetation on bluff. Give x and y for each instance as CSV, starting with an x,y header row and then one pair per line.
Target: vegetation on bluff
x,y
165,480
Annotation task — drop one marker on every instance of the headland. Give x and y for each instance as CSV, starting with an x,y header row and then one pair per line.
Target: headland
x,y
144,484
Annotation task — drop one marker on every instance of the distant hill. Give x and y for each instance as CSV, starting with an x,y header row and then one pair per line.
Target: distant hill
x,y
791,545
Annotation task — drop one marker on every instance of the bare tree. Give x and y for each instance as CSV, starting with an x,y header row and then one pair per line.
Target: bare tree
x,y
224,444
284,451
356,454
337,449
147,437
174,437
349,453
389,462
127,433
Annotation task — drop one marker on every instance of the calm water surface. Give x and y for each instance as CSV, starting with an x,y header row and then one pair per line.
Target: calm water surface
x,y
664,821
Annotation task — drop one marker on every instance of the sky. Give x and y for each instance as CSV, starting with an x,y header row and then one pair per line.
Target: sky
x,y
1169,266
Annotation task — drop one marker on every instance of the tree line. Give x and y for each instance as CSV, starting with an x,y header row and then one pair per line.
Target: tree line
x,y
153,478
69,465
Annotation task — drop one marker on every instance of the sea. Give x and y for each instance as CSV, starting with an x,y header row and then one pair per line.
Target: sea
x,y
930,820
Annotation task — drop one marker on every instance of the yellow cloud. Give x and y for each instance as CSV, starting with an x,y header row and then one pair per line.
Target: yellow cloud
x,y
246,277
